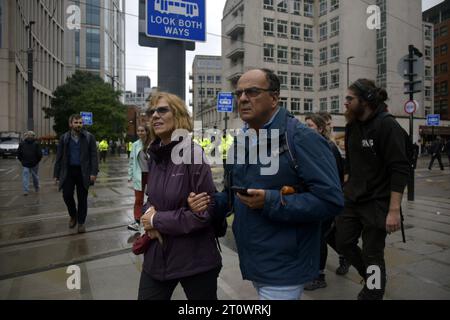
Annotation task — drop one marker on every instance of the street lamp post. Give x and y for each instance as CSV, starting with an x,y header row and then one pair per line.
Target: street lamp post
x,y
348,70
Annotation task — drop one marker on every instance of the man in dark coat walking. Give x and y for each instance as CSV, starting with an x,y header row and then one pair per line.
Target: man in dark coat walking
x,y
30,154
436,149
76,166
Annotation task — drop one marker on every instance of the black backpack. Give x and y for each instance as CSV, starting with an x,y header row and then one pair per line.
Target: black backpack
x,y
409,147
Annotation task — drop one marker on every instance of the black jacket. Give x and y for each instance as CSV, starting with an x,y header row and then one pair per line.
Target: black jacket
x,y
339,160
88,157
29,153
436,148
376,162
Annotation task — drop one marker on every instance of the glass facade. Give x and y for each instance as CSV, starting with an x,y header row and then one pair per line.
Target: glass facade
x,y
92,48
93,12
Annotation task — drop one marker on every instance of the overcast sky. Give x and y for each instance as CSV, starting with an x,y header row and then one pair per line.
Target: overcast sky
x,y
143,61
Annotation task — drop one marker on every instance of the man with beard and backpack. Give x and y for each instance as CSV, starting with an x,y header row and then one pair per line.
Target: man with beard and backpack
x,y
377,171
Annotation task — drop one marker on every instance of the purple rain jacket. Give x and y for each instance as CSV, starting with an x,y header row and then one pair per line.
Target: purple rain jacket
x,y
189,245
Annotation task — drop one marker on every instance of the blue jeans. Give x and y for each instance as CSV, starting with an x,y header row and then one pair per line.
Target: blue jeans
x,y
269,292
26,177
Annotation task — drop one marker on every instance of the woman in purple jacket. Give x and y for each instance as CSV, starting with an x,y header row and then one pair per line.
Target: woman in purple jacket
x,y
183,247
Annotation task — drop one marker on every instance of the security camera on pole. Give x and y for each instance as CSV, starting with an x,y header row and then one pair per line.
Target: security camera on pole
x,y
412,63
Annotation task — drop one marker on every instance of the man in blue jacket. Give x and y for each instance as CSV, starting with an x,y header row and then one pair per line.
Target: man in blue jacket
x,y
278,236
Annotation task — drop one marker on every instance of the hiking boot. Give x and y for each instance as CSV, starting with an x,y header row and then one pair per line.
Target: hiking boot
x,y
81,228
316,284
134,226
344,265
367,294
72,223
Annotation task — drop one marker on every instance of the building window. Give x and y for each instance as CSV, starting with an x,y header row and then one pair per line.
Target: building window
x,y
428,52
210,92
77,48
210,79
282,6
323,7
444,88
308,105
334,53
427,33
92,48
323,56
334,23
295,30
428,93
443,31
201,79
268,4
308,82
323,104
295,105
308,56
324,81
308,8
436,69
323,30
334,79
295,81
93,12
296,7
282,54
444,50
296,56
282,29
268,27
283,102
269,52
308,33
218,79
335,104
334,4
444,67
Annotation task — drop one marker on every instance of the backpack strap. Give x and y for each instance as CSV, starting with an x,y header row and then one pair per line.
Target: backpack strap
x,y
291,127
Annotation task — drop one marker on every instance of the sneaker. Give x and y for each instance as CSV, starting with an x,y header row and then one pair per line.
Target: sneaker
x,y
25,194
316,284
343,267
81,228
72,223
134,226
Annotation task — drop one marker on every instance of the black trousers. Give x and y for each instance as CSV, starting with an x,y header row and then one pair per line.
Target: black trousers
x,y
103,155
367,220
75,179
202,286
438,157
328,237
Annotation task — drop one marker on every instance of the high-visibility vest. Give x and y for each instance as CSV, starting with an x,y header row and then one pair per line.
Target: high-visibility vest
x,y
103,146
129,146
225,145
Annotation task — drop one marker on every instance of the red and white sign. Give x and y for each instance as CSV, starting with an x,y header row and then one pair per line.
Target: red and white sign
x,y
410,107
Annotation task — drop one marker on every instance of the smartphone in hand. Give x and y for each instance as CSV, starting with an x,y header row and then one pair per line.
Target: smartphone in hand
x,y
240,190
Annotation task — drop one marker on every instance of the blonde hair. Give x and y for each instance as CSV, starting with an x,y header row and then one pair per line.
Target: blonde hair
x,y
179,110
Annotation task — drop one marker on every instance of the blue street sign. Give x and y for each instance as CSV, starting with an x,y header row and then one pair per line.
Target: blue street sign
x,y
225,102
176,19
433,120
88,119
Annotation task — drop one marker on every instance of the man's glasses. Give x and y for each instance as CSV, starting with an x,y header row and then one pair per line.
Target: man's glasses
x,y
251,92
160,110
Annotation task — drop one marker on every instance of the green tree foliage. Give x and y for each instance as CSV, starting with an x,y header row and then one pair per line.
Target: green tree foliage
x,y
87,92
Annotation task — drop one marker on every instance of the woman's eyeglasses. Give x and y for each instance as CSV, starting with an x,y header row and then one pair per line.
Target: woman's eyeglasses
x,y
160,110
252,92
